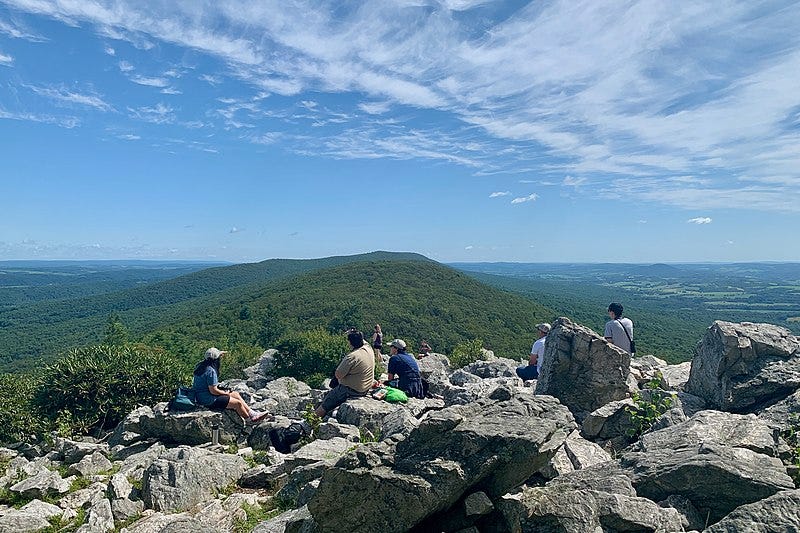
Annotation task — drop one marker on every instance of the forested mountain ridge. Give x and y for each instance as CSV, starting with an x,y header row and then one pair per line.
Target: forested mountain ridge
x,y
43,329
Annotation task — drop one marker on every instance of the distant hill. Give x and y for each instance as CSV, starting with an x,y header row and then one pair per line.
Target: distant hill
x,y
411,300
44,329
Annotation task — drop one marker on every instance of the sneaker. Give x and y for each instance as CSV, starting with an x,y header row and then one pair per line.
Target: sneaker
x,y
257,417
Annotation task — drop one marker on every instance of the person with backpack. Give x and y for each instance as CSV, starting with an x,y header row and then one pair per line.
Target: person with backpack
x,y
205,384
404,368
619,331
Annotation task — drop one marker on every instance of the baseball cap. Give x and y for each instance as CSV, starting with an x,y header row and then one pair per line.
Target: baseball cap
x,y
544,327
214,353
399,344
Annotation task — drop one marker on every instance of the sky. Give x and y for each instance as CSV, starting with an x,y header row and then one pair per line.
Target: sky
x,y
466,130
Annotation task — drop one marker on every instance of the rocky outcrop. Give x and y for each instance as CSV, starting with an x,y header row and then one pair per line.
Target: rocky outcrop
x,y
780,512
582,369
184,477
190,428
492,446
744,367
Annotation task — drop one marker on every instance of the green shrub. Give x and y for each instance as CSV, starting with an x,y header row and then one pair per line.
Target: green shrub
x,y
466,352
96,387
648,407
18,422
310,356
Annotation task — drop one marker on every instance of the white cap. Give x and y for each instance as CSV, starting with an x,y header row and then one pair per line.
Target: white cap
x,y
544,327
214,353
399,344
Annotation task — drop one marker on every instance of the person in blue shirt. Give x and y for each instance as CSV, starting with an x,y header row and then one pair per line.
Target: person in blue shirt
x,y
205,384
404,368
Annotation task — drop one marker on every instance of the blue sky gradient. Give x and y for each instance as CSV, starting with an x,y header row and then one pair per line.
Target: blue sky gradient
x,y
466,130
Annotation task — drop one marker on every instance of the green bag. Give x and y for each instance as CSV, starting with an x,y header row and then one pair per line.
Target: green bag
x,y
395,395
183,400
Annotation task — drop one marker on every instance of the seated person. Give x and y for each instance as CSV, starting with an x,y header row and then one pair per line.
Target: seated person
x,y
355,374
424,349
404,366
205,383
537,355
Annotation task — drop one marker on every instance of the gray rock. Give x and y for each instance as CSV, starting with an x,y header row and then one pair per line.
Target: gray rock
x,y
271,478
209,516
297,481
40,508
129,430
477,504
43,484
119,487
783,414
285,387
91,465
609,421
183,477
715,478
365,413
690,516
582,453
558,465
134,465
80,498
193,427
461,377
279,523
491,446
433,363
496,368
332,428
328,451
706,427
676,376
398,422
73,451
100,518
18,521
581,511
646,368
602,477
124,509
583,370
744,367
780,512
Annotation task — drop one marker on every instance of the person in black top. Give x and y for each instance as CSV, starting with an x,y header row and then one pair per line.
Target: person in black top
x,y
377,342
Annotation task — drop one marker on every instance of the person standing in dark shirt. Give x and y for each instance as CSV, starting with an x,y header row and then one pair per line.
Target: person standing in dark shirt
x,y
404,368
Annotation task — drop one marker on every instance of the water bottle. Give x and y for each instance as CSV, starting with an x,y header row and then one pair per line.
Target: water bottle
x,y
215,434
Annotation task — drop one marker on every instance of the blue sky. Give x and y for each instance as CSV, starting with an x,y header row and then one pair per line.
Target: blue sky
x,y
461,129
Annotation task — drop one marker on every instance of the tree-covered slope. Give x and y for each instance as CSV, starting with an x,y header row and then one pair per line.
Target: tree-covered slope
x,y
411,300
44,329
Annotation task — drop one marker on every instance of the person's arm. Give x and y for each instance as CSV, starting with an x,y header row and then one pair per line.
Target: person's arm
x,y
608,334
213,381
391,368
344,367
216,391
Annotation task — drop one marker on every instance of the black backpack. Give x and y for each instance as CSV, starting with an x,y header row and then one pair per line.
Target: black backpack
x,y
283,438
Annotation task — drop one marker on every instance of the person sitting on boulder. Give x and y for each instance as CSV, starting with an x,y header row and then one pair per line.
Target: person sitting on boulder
x,y
205,384
424,349
405,367
355,374
619,331
531,371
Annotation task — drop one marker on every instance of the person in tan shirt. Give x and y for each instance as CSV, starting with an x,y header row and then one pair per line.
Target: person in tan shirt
x,y
356,374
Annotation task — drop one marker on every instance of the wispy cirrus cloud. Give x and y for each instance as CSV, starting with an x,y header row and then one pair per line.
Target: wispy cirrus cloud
x,y
6,59
699,220
64,95
157,114
499,194
587,88
524,199
18,31
149,81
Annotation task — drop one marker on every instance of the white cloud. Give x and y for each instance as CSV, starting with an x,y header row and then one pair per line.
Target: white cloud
x,y
498,194
124,66
17,31
375,108
642,221
64,95
170,90
151,82
110,51
213,80
64,122
699,220
523,199
157,114
6,59
470,247
571,181
235,230
129,137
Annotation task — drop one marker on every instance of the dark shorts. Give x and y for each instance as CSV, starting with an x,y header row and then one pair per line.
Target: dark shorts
x,y
337,396
220,402
528,372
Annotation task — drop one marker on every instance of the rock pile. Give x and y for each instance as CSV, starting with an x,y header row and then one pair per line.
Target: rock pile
x,y
695,445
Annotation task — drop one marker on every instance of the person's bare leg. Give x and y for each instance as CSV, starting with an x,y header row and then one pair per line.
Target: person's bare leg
x,y
234,394
239,406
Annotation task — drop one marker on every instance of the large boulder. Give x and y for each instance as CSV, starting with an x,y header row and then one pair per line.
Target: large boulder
x,y
715,478
41,485
744,367
779,512
676,376
183,477
365,412
192,427
582,369
496,368
492,445
727,429
784,414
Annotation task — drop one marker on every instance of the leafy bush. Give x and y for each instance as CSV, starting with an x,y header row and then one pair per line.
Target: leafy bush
x,y
17,420
96,387
466,352
310,356
649,406
791,435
